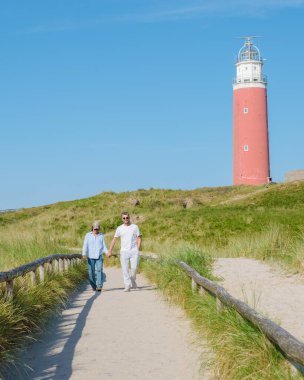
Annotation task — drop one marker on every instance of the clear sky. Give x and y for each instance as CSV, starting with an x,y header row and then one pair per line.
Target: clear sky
x,y
123,94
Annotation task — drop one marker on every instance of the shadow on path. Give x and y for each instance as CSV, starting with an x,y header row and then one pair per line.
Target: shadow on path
x,y
56,363
147,287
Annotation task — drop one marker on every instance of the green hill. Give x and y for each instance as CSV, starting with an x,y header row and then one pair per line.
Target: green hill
x,y
263,222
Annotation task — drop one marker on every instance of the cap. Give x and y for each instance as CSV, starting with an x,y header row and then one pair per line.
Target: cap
x,y
96,224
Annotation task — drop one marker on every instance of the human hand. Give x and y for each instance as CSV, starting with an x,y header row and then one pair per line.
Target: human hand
x,y
84,258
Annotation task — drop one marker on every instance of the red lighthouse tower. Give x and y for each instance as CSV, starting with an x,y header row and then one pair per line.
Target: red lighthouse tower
x,y
250,123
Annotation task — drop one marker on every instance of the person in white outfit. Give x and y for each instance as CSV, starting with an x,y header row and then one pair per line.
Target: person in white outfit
x,y
130,240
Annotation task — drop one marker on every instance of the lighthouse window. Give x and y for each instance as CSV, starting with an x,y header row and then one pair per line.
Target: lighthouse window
x,y
245,110
246,148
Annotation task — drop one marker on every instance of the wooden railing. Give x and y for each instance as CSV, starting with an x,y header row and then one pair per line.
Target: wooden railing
x,y
53,263
289,345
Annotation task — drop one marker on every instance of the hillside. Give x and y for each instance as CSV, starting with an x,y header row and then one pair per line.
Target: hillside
x,y
263,222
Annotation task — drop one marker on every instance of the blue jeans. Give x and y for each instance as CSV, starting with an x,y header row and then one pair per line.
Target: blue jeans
x,y
91,267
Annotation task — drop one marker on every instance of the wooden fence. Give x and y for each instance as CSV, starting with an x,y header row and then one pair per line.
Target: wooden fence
x,y
288,344
52,263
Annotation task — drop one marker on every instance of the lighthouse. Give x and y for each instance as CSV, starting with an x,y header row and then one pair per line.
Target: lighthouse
x,y
250,121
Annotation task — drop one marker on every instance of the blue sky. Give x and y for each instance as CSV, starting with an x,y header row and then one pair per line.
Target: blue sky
x,y
123,94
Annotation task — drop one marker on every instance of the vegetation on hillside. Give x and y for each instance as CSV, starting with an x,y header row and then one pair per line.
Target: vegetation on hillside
x,y
262,222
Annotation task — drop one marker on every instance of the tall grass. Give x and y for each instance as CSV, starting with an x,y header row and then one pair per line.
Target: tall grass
x,y
22,245
275,245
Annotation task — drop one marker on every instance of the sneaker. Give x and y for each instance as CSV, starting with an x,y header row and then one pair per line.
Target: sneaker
x,y
127,288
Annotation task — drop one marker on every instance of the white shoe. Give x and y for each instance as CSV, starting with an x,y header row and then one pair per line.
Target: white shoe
x,y
127,288
134,285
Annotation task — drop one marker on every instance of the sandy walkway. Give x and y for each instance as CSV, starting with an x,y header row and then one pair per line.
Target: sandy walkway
x,y
270,291
116,335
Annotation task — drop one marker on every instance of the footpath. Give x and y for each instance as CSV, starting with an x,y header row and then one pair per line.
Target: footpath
x,y
116,335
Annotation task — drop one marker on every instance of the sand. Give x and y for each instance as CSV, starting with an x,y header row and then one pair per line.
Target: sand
x,y
116,335
272,292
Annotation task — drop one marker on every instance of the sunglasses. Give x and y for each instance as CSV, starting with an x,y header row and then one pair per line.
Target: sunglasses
x,y
125,217
96,229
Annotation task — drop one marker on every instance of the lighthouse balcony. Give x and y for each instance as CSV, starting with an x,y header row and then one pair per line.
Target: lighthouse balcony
x,y
263,80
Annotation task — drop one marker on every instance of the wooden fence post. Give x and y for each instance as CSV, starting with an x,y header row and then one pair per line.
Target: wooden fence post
x,y
193,285
219,305
41,273
23,282
61,265
33,277
10,289
202,291
56,266
50,266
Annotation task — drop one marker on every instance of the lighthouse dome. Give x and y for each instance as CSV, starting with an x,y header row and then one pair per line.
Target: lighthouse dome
x,y
249,52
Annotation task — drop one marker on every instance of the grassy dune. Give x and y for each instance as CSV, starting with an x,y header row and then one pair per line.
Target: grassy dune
x,y
262,222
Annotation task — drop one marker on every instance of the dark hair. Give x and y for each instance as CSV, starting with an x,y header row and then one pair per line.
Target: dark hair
x,y
125,213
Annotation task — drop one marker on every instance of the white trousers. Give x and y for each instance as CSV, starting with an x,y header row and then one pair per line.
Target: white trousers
x,y
129,278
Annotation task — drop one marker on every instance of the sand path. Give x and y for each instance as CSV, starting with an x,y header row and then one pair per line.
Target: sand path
x,y
275,294
116,335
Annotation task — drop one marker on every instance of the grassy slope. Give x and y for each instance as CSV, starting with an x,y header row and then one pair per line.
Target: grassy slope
x,y
230,221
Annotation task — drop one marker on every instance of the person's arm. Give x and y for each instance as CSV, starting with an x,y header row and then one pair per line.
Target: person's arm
x,y
105,249
112,246
85,248
139,239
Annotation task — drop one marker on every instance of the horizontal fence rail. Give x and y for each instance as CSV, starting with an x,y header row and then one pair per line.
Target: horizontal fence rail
x,y
55,263
290,346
